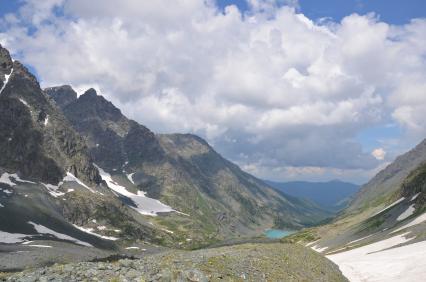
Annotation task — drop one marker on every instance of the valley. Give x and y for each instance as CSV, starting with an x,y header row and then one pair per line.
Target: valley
x,y
87,194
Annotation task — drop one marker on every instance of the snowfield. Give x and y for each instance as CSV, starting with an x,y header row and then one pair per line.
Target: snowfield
x,y
44,230
143,204
373,263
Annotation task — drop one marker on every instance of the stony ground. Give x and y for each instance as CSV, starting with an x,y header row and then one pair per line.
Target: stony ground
x,y
247,262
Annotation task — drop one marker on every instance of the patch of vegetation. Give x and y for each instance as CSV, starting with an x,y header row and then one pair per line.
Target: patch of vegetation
x,y
304,236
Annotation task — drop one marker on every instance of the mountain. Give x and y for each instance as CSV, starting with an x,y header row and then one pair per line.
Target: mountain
x,y
81,180
210,194
381,236
333,195
50,189
386,185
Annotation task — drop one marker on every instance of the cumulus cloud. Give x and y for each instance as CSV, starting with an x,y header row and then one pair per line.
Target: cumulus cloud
x,y
269,88
379,154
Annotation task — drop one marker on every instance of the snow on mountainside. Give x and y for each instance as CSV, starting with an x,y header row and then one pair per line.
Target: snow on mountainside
x,y
381,238
384,261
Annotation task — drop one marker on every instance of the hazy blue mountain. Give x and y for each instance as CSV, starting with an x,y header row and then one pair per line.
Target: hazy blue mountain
x,y
334,195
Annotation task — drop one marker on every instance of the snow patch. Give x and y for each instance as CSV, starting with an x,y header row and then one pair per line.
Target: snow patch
x,y
24,102
46,120
44,230
1,206
69,177
318,249
7,76
6,178
130,177
90,231
373,263
132,248
406,213
144,205
311,243
415,196
11,238
389,206
40,246
420,219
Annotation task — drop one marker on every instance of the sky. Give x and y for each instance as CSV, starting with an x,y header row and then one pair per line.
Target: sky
x,y
289,90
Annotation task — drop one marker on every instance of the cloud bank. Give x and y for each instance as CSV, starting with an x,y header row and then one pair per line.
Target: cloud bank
x,y
276,92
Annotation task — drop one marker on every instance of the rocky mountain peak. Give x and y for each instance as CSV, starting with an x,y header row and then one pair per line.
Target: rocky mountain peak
x,y
5,61
90,93
62,95
96,106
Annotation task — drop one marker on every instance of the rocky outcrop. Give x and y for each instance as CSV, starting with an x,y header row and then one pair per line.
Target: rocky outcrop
x,y
249,262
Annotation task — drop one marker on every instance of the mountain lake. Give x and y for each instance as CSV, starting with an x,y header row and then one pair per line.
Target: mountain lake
x,y
278,234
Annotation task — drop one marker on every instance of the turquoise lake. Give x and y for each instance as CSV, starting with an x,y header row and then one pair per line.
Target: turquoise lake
x,y
277,234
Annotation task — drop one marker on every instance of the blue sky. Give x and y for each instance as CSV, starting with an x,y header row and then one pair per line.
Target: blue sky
x,y
390,11
289,102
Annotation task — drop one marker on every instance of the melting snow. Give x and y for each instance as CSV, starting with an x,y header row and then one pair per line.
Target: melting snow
x,y
40,246
420,219
23,102
391,205
10,238
318,249
69,177
130,177
90,231
372,263
6,81
44,230
52,189
415,196
144,205
311,243
6,178
407,213
132,248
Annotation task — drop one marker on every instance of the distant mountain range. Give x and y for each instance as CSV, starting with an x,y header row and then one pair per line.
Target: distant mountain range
x,y
333,195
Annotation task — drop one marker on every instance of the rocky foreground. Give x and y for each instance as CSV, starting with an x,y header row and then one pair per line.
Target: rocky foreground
x,y
247,262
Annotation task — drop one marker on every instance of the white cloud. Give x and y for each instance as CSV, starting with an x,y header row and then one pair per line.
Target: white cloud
x,y
270,87
379,154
